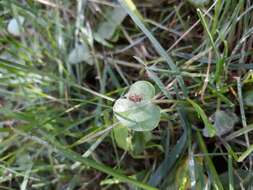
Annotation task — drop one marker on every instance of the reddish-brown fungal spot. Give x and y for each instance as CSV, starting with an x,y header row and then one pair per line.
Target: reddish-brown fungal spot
x,y
135,98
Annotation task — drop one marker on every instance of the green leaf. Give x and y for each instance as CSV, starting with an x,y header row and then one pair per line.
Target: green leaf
x,y
142,88
121,137
224,122
136,111
137,116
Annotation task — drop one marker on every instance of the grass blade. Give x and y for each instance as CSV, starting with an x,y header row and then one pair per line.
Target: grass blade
x,y
200,111
172,156
100,167
215,178
230,173
131,9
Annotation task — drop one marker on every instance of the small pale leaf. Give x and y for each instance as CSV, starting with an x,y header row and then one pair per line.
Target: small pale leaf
x,y
107,28
15,24
224,122
199,3
79,54
248,98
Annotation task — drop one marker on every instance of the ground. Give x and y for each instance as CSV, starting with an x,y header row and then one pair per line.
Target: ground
x,y
126,94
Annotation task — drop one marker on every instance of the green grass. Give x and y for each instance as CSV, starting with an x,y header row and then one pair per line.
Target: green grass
x,y
57,127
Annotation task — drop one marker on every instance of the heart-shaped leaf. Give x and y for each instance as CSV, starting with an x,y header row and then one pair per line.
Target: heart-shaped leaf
x,y
136,111
137,116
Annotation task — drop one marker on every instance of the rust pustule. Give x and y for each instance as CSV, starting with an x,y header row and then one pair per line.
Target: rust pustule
x,y
135,98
